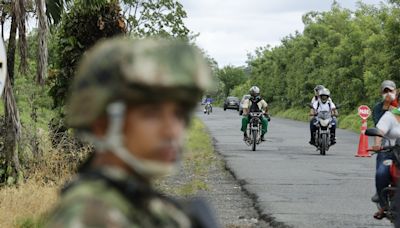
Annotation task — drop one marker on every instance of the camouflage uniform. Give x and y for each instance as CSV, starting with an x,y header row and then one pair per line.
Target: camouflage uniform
x,y
93,202
130,70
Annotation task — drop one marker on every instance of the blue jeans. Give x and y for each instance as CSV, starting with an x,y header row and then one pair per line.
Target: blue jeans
x,y
382,175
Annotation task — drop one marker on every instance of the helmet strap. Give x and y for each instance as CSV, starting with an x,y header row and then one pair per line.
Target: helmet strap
x,y
113,142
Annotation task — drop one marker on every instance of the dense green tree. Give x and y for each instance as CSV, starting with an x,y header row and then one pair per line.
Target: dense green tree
x,y
155,17
231,76
348,52
87,21
80,29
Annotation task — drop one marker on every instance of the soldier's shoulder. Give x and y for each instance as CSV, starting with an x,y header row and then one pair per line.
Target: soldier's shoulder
x,y
91,203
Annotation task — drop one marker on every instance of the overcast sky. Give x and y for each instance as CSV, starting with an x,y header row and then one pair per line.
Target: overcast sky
x,y
229,29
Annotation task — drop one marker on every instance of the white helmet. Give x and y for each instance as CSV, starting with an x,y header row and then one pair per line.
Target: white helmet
x,y
318,88
324,94
254,91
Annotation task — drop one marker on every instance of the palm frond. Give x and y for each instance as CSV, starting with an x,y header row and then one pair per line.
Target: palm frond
x,y
55,8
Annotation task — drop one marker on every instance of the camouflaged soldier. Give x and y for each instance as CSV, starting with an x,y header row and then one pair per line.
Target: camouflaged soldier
x,y
133,100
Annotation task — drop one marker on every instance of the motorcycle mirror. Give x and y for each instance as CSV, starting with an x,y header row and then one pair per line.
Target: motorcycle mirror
x,y
338,106
373,132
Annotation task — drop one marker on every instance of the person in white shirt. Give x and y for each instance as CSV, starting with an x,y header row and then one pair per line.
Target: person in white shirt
x,y
316,94
389,126
323,103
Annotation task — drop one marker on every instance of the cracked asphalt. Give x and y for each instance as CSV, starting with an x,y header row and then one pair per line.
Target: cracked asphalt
x,y
292,185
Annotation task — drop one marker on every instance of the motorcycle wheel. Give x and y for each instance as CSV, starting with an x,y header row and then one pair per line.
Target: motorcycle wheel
x,y
324,141
254,136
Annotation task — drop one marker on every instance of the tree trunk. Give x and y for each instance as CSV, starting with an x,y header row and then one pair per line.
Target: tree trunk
x,y
11,49
3,19
42,52
20,13
13,132
13,125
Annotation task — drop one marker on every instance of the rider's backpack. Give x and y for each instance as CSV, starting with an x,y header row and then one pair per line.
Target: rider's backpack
x,y
254,107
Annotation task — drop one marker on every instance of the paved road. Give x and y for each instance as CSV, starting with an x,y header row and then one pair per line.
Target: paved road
x,y
292,182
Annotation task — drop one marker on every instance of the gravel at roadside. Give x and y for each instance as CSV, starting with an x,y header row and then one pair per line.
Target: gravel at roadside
x,y
234,208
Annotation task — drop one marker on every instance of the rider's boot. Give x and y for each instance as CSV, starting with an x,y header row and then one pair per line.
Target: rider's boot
x,y
262,137
333,138
245,136
312,139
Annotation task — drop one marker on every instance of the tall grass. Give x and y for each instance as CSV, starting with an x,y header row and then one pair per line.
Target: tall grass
x,y
22,206
27,204
45,173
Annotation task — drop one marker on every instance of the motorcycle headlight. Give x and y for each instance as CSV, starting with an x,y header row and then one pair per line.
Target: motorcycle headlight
x,y
324,122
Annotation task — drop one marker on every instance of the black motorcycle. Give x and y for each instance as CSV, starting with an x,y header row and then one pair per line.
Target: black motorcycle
x,y
323,123
254,130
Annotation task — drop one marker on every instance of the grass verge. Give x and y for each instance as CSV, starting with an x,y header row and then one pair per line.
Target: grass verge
x,y
197,159
23,206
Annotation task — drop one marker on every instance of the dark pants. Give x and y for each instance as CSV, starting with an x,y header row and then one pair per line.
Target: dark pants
x,y
314,128
382,176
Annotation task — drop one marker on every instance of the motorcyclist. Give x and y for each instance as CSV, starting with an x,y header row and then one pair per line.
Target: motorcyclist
x,y
323,103
255,104
208,101
389,102
389,126
316,94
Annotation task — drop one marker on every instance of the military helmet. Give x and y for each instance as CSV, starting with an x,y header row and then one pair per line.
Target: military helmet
x,y
136,71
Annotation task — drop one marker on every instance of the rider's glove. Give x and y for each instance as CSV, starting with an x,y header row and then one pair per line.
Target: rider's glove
x,y
268,117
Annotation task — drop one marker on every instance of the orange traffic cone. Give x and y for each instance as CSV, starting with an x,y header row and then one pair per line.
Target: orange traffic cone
x,y
363,144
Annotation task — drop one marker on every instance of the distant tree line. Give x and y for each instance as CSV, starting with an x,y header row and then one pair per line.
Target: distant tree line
x,y
350,53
